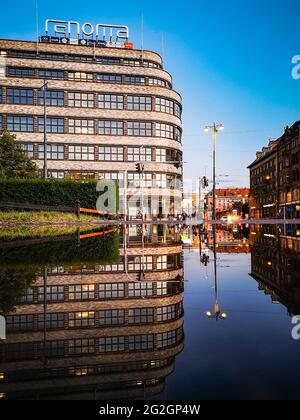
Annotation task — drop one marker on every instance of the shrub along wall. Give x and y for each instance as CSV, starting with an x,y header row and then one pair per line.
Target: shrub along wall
x,y
49,192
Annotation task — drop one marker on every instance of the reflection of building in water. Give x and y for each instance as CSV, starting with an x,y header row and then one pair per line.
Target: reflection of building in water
x,y
275,265
230,241
100,332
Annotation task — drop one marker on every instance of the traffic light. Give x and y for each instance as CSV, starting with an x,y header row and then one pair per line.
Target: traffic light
x,y
205,182
140,168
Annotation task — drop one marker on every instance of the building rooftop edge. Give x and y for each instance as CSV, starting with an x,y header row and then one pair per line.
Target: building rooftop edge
x,y
85,47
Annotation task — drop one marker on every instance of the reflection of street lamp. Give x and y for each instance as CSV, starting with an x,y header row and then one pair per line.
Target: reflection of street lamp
x,y
217,314
215,129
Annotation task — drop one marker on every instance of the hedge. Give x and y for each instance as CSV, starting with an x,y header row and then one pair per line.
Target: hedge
x,y
50,192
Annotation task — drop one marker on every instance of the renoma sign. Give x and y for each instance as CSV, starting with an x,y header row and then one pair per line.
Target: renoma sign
x,y
72,30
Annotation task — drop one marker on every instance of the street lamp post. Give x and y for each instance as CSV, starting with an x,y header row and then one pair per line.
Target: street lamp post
x,y
215,129
44,88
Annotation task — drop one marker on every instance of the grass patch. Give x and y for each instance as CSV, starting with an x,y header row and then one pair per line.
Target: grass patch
x,y
22,217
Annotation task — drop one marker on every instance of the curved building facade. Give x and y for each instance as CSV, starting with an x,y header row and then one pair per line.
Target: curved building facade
x,y
107,109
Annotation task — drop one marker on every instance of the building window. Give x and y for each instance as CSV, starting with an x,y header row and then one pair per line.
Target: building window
x,y
164,105
52,56
21,71
81,319
81,153
20,96
139,154
82,292
169,339
19,123
20,351
161,180
157,82
51,74
110,78
112,128
27,149
111,344
53,97
113,176
141,342
111,153
53,321
54,294
52,349
27,296
161,155
165,131
137,290
140,129
162,289
56,174
81,126
80,76
112,291
178,134
112,317
169,313
135,80
81,346
53,125
162,262
137,263
178,110
54,152
109,60
81,100
139,103
111,102
140,316
137,181
19,323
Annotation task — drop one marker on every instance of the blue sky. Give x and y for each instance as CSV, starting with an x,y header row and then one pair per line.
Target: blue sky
x,y
231,61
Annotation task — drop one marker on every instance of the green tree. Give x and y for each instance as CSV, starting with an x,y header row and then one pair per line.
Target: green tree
x,y
13,161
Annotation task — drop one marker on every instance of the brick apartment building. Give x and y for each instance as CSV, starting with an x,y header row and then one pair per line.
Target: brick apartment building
x,y
225,200
107,109
275,178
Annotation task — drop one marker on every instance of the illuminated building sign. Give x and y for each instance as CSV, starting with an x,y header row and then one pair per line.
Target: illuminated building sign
x,y
74,33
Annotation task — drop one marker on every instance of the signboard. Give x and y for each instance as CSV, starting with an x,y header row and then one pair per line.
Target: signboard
x,y
75,30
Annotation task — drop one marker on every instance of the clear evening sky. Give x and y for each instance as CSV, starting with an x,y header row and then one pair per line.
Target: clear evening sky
x,y
231,61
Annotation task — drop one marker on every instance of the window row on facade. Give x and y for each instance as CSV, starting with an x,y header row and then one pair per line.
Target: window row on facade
x,y
81,76
83,346
57,125
93,319
101,153
119,61
60,98
94,292
87,370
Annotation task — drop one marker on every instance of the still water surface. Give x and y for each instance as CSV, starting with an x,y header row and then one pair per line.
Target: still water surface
x,y
154,316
